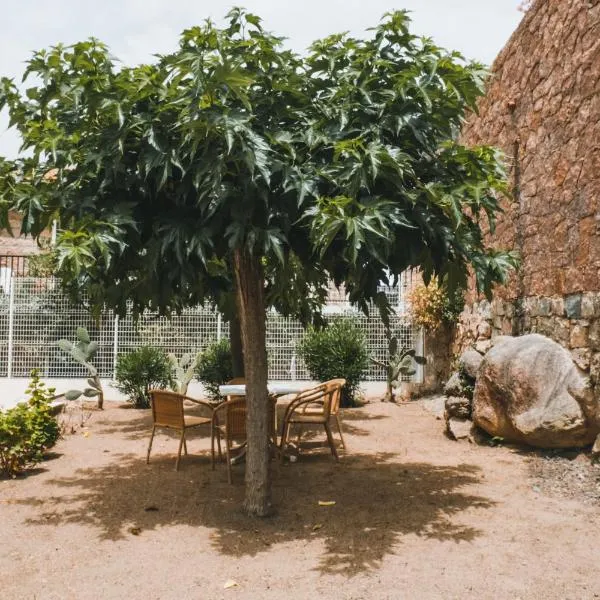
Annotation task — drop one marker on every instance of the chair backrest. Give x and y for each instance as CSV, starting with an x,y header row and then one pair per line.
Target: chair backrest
x,y
167,408
235,417
334,387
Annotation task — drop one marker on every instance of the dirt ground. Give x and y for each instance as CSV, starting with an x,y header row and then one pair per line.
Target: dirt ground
x,y
416,516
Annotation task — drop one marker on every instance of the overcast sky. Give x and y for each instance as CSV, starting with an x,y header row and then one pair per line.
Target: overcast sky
x,y
136,29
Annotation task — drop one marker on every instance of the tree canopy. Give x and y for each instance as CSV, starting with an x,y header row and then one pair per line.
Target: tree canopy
x,y
235,164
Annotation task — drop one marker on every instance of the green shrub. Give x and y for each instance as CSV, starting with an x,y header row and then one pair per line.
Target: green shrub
x,y
215,367
338,350
142,370
28,429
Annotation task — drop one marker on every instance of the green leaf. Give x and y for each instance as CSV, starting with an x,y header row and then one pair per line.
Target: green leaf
x,y
83,335
73,394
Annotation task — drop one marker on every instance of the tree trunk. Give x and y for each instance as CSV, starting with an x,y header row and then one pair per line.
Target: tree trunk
x,y
235,341
251,310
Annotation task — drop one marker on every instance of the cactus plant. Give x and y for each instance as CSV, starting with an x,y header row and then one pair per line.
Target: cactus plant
x,y
183,371
83,351
399,362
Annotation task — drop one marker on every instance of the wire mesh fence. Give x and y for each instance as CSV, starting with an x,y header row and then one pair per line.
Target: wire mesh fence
x,y
34,315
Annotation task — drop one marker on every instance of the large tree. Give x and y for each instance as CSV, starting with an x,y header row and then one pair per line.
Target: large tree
x,y
233,166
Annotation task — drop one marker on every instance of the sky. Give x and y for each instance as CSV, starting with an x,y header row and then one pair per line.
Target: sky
x,y
137,29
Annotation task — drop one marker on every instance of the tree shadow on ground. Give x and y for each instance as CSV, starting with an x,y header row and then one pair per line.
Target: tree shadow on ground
x,y
378,500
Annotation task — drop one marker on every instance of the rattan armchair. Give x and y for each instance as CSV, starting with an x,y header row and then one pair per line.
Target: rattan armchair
x,y
317,406
229,423
168,413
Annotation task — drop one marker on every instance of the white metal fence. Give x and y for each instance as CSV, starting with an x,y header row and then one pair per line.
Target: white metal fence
x,y
34,314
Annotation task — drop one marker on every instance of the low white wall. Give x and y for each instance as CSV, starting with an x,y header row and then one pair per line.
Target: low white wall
x,y
12,390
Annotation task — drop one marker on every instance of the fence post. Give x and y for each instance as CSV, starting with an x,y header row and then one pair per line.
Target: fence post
x,y
420,350
11,325
219,325
115,345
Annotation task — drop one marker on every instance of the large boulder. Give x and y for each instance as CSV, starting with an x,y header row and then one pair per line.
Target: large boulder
x,y
529,390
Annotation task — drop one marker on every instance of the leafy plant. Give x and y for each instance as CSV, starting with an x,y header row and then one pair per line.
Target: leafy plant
x,y
140,371
215,367
183,370
28,429
83,352
400,362
433,305
337,350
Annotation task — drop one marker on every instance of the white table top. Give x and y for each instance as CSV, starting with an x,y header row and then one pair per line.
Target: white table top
x,y
279,389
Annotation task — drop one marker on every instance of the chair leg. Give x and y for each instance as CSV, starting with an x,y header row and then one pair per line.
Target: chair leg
x,y
331,441
339,426
213,433
150,445
282,444
228,462
181,442
219,445
184,445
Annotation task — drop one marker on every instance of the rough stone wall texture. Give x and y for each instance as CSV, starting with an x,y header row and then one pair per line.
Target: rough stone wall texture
x,y
542,108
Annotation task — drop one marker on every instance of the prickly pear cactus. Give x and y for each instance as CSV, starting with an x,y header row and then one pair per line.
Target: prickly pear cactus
x,y
83,351
400,362
183,371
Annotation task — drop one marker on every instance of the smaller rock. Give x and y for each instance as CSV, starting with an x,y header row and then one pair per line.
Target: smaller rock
x,y
482,346
457,407
484,330
573,306
453,386
458,429
596,448
469,362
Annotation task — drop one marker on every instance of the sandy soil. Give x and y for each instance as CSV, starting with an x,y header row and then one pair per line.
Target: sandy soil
x,y
417,516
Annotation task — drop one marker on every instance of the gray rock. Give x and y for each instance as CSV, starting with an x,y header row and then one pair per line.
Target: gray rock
x,y
469,362
458,429
482,346
500,339
529,390
457,407
453,386
596,448
573,306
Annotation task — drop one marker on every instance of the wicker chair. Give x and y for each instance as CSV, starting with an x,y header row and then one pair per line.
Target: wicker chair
x,y
168,413
316,406
229,422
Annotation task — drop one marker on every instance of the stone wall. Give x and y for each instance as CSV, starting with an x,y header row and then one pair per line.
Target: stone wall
x,y
542,108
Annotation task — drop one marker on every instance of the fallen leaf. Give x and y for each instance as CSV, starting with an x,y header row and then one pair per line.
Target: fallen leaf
x,y
151,508
317,526
326,502
135,530
230,583
86,434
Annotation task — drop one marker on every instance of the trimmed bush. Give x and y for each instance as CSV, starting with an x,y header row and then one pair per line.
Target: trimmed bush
x,y
27,430
338,350
215,367
142,370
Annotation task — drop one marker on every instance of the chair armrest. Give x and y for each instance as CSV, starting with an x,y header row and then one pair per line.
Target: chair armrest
x,y
207,405
305,399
